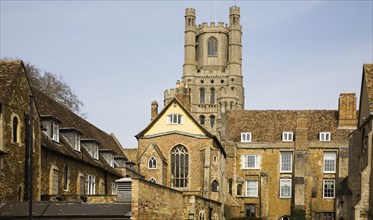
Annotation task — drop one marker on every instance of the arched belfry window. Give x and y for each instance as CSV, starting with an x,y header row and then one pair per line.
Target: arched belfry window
x,y
15,129
152,164
212,120
202,96
179,166
212,96
212,47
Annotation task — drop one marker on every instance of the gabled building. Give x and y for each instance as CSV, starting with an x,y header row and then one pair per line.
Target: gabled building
x,y
355,197
174,150
15,114
287,161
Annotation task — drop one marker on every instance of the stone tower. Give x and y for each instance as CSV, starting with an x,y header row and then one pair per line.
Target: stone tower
x,y
212,70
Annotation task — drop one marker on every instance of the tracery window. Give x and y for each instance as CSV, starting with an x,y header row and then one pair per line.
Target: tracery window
x,y
179,166
202,119
212,47
152,164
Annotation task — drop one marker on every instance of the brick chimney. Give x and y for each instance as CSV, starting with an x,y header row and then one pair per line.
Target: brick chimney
x,y
347,110
154,110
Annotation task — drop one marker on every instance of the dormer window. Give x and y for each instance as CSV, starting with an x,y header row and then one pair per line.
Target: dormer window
x,y
108,155
245,137
174,119
324,136
287,136
72,136
51,126
91,146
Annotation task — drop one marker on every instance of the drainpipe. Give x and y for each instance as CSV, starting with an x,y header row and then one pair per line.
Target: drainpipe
x,y
30,145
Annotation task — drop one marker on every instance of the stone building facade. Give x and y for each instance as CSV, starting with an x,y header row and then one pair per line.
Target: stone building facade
x,y
212,70
288,160
355,197
15,95
72,159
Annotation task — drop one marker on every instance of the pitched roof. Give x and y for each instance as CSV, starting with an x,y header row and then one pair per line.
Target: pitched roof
x,y
9,69
47,106
368,76
83,156
164,110
160,153
268,125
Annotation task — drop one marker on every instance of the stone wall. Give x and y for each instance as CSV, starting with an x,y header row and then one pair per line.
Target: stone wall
x,y
13,178
75,170
154,201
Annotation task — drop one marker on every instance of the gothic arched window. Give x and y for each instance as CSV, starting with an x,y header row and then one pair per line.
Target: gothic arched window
x,y
202,96
212,96
15,129
212,47
202,119
152,163
179,166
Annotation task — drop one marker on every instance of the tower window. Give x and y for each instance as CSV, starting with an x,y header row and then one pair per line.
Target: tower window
x,y
212,120
202,119
212,96
179,166
202,96
212,47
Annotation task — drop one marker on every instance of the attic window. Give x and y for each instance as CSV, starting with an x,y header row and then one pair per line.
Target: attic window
x,y
287,136
245,137
174,119
324,136
72,136
51,126
92,148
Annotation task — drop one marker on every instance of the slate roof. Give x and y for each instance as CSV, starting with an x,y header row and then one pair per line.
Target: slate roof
x,y
66,210
47,106
8,72
83,156
268,125
368,76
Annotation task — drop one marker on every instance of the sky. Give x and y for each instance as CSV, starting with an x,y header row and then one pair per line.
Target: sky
x,y
119,56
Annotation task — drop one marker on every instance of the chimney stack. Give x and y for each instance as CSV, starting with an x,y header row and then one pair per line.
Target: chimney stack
x,y
347,110
154,110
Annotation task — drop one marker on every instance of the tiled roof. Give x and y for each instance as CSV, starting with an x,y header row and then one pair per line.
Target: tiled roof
x,y
368,74
8,71
131,153
268,125
83,156
47,106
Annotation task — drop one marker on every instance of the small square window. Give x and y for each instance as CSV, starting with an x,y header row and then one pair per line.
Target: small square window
x,y
250,161
325,136
174,119
328,188
245,137
287,136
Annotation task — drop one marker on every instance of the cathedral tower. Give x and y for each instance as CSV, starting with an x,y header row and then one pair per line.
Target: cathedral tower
x,y
212,69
